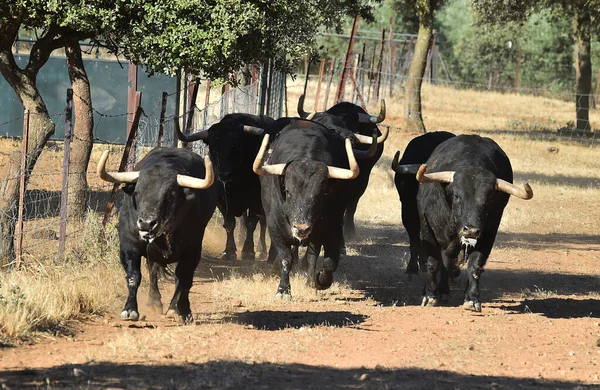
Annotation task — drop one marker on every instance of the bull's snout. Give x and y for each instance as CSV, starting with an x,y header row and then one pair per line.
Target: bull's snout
x,y
470,232
147,224
301,230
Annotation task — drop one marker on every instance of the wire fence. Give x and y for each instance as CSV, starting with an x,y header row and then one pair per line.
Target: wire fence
x,y
445,106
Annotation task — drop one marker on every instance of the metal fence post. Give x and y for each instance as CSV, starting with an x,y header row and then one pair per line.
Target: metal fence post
x,y
25,150
342,86
161,121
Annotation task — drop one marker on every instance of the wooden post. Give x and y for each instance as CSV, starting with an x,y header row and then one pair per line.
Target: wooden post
x,y
191,105
342,85
132,76
161,121
321,70
133,146
393,70
518,70
111,200
331,70
353,76
391,56
371,74
379,65
361,65
64,195
306,77
360,97
24,151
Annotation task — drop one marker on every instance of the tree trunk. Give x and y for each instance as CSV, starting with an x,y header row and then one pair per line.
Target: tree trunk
x,y
583,67
41,129
414,118
83,136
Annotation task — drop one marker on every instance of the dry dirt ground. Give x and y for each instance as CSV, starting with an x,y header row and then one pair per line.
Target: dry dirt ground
x,y
539,329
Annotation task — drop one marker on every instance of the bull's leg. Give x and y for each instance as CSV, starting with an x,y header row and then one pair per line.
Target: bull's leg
x,y
349,226
131,261
285,266
248,249
180,303
311,256
241,223
154,297
434,266
262,243
230,252
324,278
474,270
412,224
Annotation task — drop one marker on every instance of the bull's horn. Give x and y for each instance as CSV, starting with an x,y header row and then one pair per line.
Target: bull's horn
x,y
196,183
511,189
363,139
404,169
201,135
311,116
373,118
364,154
253,130
435,177
301,112
342,173
114,177
259,167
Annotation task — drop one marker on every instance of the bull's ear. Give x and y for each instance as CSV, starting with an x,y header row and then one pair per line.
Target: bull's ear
x,y
189,194
128,188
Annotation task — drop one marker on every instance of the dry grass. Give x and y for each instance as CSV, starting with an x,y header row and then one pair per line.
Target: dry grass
x,y
47,297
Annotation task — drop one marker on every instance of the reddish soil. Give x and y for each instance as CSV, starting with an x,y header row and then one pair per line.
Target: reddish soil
x,y
539,329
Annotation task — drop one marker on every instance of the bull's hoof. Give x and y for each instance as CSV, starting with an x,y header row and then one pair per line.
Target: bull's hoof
x,y
409,274
185,320
343,250
248,255
323,280
284,296
429,301
229,256
472,305
171,313
130,315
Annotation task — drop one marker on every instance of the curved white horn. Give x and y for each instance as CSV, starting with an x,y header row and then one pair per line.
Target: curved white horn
x,y
196,183
114,177
511,189
263,170
366,118
342,173
253,130
363,139
435,177
363,154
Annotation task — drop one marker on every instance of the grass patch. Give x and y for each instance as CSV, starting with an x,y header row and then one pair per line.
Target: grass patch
x,y
46,296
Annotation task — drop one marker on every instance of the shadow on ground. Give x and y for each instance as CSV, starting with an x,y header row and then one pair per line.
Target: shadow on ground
x,y
277,320
240,375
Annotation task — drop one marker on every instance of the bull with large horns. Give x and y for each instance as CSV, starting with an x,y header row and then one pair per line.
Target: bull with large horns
x,y
463,190
168,201
233,143
361,125
305,191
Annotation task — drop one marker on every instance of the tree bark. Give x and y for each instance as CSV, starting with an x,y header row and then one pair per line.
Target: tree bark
x,y
83,136
583,66
413,115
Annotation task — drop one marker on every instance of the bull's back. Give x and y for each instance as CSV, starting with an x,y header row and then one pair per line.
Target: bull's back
x,y
470,151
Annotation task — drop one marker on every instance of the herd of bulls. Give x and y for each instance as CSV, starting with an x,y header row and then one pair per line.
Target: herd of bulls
x,y
302,178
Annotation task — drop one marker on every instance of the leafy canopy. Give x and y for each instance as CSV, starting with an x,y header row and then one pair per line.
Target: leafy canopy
x,y
213,37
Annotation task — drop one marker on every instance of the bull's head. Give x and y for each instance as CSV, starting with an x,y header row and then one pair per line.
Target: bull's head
x,y
158,195
226,141
304,185
472,191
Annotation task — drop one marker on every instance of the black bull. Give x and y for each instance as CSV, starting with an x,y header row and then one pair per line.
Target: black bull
x,y
304,192
416,153
234,143
360,123
165,210
460,211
